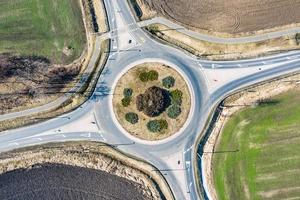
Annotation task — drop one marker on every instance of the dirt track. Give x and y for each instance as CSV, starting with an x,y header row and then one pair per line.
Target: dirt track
x,y
228,16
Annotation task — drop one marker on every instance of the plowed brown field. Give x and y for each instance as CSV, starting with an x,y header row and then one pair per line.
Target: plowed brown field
x,y
229,16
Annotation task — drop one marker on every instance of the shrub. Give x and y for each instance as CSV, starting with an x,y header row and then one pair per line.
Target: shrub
x,y
127,92
156,126
153,126
152,75
176,97
174,111
143,76
168,82
163,124
126,101
298,38
153,102
132,118
153,29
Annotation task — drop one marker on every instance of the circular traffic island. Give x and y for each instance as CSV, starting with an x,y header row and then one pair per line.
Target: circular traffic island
x,y
151,101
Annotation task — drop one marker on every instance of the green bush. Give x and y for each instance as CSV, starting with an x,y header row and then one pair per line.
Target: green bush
x,y
174,111
132,118
168,82
143,76
127,92
126,101
153,29
156,126
152,75
298,38
176,97
163,124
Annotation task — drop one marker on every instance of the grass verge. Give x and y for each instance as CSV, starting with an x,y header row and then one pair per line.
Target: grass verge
x,y
257,156
215,51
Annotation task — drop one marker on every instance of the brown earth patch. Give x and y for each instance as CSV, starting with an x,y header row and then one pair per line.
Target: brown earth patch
x,y
91,155
226,16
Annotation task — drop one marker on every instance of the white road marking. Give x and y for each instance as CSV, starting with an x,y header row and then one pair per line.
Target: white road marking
x,y
188,164
188,149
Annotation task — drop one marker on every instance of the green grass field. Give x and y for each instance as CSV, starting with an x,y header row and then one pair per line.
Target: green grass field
x,y
42,28
267,163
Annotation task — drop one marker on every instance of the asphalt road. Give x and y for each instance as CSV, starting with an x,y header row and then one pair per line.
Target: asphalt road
x,y
181,177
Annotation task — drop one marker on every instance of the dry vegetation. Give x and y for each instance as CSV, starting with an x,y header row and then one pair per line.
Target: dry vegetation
x,y
73,102
215,51
225,16
31,80
32,77
90,155
131,80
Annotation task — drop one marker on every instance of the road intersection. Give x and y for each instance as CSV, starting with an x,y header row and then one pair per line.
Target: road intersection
x,y
176,157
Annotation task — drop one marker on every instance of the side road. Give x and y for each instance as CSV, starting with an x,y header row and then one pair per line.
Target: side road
x,y
215,39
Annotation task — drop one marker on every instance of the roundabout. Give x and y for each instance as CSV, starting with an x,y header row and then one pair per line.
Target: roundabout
x,y
173,154
151,101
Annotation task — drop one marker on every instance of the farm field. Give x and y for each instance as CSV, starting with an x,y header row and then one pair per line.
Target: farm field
x,y
38,41
57,181
226,16
257,154
49,28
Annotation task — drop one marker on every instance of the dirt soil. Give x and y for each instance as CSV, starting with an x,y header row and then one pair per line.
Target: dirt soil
x,y
226,16
56,181
234,103
91,155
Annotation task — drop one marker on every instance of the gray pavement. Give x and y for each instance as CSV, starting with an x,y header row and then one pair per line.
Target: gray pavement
x,y
184,146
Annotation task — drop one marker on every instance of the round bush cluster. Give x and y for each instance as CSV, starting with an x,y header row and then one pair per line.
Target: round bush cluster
x,y
152,75
153,102
126,101
127,92
176,97
168,82
156,126
132,117
174,111
143,76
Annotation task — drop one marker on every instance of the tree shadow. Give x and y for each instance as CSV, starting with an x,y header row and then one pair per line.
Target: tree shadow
x,y
101,91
